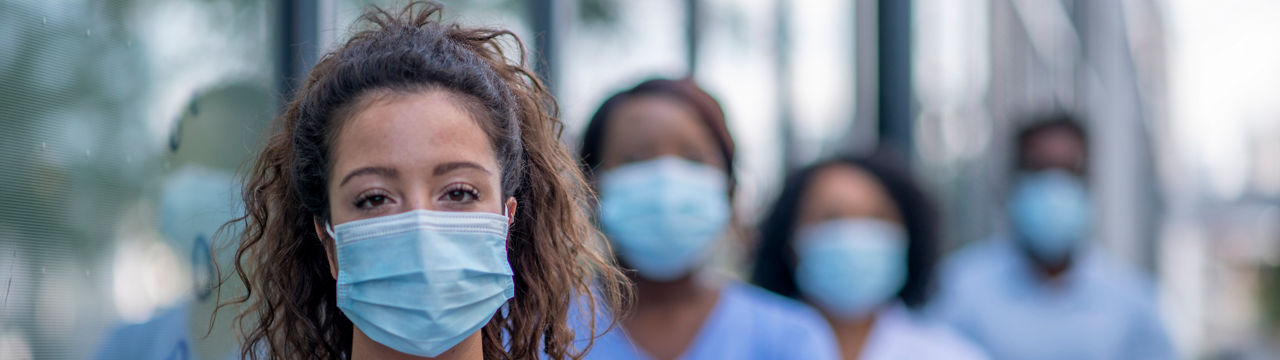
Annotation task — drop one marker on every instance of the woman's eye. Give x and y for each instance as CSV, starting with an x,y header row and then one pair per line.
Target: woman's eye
x,y
460,194
633,156
693,155
371,201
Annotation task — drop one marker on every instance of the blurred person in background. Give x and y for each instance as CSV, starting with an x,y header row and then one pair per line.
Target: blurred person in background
x,y
662,161
1046,291
414,200
857,238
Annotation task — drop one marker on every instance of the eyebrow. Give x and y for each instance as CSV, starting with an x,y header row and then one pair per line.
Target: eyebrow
x,y
370,170
451,166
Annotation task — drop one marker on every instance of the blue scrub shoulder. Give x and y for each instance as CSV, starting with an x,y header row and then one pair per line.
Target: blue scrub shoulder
x,y
746,323
1105,307
772,326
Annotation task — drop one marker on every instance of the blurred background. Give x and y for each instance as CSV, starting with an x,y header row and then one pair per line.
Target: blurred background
x,y
123,124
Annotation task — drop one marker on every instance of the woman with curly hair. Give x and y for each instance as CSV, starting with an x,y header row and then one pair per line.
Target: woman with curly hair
x,y
414,200
857,238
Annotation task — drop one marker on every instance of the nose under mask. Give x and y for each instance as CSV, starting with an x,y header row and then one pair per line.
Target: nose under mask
x,y
664,215
422,281
1051,213
849,267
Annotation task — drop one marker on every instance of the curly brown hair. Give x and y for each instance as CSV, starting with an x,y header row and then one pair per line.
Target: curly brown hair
x,y
289,306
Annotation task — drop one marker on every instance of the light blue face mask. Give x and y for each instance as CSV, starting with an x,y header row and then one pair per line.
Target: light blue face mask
x,y
849,267
664,215
1051,213
422,281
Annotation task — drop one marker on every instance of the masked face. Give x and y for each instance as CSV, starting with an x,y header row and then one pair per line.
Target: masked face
x,y
849,243
422,281
848,267
1051,213
663,215
419,223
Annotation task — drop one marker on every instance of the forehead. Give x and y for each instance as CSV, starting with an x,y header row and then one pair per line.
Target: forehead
x,y
654,115
655,123
411,128
846,185
1053,147
1055,137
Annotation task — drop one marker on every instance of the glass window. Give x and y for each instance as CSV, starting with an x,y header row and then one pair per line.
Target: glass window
x,y
737,62
820,52
123,124
609,46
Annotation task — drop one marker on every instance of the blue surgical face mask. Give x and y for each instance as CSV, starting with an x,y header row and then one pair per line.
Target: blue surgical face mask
x,y
849,267
1051,213
422,281
664,215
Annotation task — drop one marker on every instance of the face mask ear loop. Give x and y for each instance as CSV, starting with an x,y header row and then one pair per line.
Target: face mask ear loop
x,y
328,228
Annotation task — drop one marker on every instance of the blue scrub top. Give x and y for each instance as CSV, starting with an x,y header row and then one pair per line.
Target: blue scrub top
x,y
1098,310
900,333
746,323
164,336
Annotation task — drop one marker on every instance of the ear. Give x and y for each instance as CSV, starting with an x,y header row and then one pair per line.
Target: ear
x,y
331,254
511,210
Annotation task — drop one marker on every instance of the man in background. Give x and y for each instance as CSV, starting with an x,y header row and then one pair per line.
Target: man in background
x,y
1045,291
